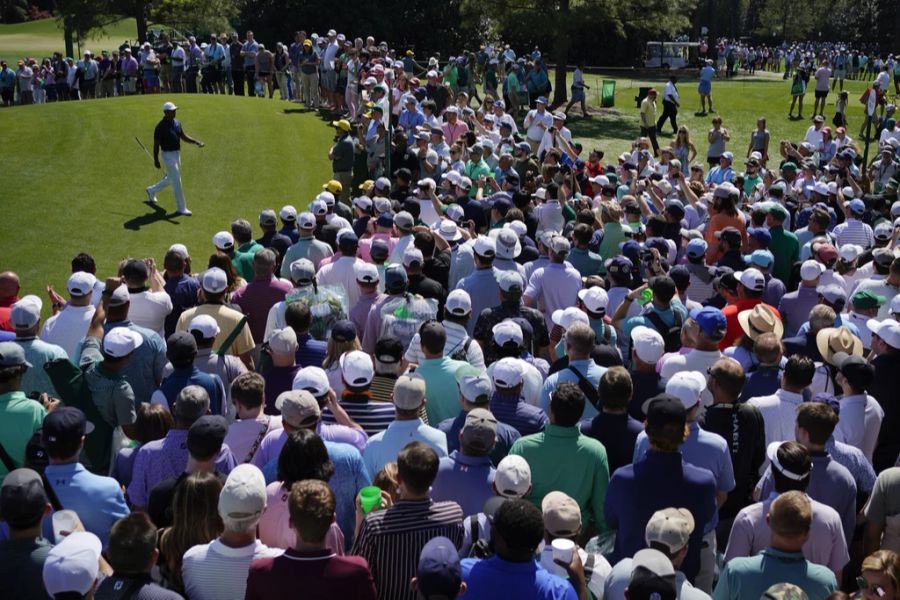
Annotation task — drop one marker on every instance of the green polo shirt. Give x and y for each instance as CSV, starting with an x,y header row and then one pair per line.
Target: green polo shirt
x,y
20,417
441,391
563,459
586,262
786,248
613,235
243,259
751,576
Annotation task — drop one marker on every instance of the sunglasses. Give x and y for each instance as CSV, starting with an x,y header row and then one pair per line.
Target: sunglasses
x,y
863,586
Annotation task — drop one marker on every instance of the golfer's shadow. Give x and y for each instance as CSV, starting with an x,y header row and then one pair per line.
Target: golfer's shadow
x,y
158,214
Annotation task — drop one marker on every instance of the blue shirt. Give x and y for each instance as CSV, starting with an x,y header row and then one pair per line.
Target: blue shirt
x,y
168,133
183,292
38,353
705,450
144,371
98,500
588,368
515,412
409,120
719,175
484,291
617,433
659,480
248,46
384,446
310,352
466,480
493,578
707,73
506,436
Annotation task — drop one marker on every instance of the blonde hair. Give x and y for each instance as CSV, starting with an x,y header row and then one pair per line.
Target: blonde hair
x,y
886,562
335,350
386,479
790,515
612,212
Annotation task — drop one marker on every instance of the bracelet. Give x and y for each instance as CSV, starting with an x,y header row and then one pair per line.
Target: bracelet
x,y
628,298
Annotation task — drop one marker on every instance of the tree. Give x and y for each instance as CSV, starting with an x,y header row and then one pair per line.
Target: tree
x,y
788,19
13,11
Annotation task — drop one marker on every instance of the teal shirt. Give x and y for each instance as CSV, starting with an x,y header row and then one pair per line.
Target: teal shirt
x,y
667,316
441,391
587,262
751,576
243,259
563,459
473,170
613,235
20,417
39,353
786,248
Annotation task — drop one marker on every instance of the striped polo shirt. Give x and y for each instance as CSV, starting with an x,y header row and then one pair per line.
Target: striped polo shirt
x,y
854,231
392,539
372,416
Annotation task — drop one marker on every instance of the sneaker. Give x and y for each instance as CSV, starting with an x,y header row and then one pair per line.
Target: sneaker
x,y
151,197
185,213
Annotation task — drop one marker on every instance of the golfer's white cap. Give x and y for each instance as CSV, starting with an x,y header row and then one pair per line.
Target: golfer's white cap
x,y
169,106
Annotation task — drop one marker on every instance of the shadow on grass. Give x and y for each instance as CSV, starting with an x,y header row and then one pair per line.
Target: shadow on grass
x,y
601,126
158,214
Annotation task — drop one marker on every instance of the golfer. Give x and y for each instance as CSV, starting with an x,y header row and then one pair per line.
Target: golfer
x,y
168,135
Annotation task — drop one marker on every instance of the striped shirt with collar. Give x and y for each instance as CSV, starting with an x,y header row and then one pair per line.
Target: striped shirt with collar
x,y
854,231
392,539
372,416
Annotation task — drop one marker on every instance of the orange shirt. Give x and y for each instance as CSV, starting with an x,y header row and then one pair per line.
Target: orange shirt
x,y
733,330
719,222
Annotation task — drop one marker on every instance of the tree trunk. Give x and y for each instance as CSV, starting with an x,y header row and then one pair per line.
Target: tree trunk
x,y
140,18
561,54
68,37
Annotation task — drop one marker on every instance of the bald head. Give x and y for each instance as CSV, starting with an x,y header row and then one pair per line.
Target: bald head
x,y
9,285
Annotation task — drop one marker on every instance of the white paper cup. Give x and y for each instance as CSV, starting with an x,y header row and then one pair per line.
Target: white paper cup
x,y
563,549
64,523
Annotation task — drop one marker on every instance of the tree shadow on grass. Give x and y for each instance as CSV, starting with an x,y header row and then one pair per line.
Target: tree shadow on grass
x,y
603,127
158,214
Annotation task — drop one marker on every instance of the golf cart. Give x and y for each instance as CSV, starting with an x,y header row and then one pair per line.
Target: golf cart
x,y
669,55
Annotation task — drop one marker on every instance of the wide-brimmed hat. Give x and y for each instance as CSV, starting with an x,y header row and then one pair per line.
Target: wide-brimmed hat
x,y
832,340
759,320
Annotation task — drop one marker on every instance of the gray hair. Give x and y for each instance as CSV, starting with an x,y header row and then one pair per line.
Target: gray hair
x,y
820,317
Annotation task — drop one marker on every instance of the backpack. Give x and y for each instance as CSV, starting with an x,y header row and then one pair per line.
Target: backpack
x,y
480,547
462,350
590,391
671,335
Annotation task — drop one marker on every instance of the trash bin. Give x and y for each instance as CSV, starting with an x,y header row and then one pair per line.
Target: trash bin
x,y
608,94
642,93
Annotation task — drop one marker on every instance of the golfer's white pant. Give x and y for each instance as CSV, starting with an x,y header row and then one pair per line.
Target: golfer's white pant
x,y
172,163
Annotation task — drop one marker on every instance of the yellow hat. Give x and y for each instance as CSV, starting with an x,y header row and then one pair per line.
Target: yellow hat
x,y
343,124
409,52
366,184
307,42
334,186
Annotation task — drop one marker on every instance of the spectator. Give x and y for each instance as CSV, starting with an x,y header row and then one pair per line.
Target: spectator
x,y
227,367
263,292
72,567
795,306
880,574
647,348
861,415
26,318
555,286
153,423
580,340
20,416
181,350
438,372
886,347
439,574
466,476
779,410
67,327
311,563
181,286
613,426
458,345
24,504
506,403
282,350
149,305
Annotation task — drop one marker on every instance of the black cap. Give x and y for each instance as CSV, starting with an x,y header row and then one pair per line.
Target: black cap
x,y
527,330
343,331
664,409
680,275
857,370
64,427
380,249
181,347
403,173
135,268
662,286
730,235
388,350
206,436
22,498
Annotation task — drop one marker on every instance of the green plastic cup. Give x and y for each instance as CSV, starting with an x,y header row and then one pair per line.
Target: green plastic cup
x,y
369,497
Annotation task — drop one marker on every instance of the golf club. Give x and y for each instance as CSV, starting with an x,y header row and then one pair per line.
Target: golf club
x,y
143,147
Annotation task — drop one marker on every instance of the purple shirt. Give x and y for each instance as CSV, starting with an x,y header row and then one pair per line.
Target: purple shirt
x,y
360,311
795,306
466,480
129,66
255,300
274,441
278,379
163,459
826,544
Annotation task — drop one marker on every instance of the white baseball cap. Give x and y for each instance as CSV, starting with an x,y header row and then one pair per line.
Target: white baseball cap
x,y
283,341
26,312
507,372
448,230
565,317
513,477
223,240
365,272
850,252
888,330
648,344
595,299
476,389
318,207
357,368
560,245
288,213
363,202
80,283
895,304
73,564
206,325
458,303
181,249
306,220
687,387
169,106
751,279
244,493
485,246
214,280
326,197
518,226
811,269
312,379
119,296
383,183
508,331
121,341
412,255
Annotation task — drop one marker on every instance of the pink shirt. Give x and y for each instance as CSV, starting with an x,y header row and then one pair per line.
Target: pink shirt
x,y
365,245
275,530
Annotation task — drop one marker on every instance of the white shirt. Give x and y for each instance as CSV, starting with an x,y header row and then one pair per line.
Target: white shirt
x,y
556,285
67,328
533,121
215,571
860,422
532,385
149,309
242,435
547,139
600,569
456,337
340,273
779,412
670,92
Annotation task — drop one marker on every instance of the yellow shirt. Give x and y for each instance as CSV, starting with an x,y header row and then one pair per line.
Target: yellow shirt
x,y
648,112
227,319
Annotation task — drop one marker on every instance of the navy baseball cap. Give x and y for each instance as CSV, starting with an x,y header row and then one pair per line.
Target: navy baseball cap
x,y
664,409
206,436
379,250
711,320
619,265
395,279
439,572
680,275
761,234
64,426
343,331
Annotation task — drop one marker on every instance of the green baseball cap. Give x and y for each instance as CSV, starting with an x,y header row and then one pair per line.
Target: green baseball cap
x,y
778,210
789,166
785,591
866,299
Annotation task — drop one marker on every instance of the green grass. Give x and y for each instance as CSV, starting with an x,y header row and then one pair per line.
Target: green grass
x,y
44,37
76,178
739,102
